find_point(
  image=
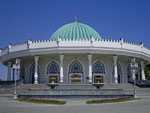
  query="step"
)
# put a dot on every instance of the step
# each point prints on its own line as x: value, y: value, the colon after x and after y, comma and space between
x: 76, y: 92
x: 24, y: 88
x: 75, y: 86
x: 75, y: 96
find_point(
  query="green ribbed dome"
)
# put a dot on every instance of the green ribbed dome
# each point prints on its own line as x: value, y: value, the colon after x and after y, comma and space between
x: 75, y: 31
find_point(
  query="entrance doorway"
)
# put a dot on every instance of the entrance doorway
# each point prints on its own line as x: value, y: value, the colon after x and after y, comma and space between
x: 98, y: 70
x: 53, y: 72
x: 75, y: 72
x: 75, y: 78
x: 98, y: 78
x: 53, y: 79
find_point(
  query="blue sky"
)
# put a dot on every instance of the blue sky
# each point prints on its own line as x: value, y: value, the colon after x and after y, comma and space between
x: 21, y: 20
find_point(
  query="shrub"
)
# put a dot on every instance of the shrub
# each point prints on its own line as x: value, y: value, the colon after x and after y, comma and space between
x: 110, y: 100
x: 43, y: 101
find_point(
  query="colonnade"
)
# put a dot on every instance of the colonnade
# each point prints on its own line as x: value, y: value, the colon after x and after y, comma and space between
x: 61, y: 57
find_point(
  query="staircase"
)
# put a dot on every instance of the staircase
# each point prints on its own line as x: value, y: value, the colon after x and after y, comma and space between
x: 22, y: 88
x: 73, y: 91
x: 74, y: 86
x: 119, y: 86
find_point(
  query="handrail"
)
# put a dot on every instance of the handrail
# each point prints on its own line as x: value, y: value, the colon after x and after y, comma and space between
x: 141, y: 83
x: 12, y: 84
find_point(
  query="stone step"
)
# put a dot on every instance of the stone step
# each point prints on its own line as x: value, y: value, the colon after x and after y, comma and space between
x: 76, y: 92
x: 75, y: 86
x: 75, y: 96
x: 90, y: 86
x: 119, y: 86
x: 24, y: 88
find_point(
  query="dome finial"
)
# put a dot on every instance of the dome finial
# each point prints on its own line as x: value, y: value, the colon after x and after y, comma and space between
x: 75, y: 19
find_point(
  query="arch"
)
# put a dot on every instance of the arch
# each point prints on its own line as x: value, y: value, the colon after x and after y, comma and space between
x: 53, y: 68
x: 32, y: 71
x: 22, y: 72
x: 52, y: 72
x: 98, y: 72
x: 75, y: 70
x: 98, y: 68
x: 75, y: 67
x: 119, y: 70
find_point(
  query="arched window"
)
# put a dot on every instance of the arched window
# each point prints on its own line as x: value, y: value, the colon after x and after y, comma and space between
x: 22, y: 72
x: 53, y: 68
x: 98, y: 68
x: 75, y: 67
x: 32, y: 71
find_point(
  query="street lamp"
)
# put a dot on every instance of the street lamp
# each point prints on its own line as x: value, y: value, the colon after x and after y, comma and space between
x: 134, y: 67
x: 16, y: 67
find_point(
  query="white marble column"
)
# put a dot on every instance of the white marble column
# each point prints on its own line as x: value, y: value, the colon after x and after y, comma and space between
x: 61, y: 68
x: 18, y: 70
x: 142, y: 70
x: 139, y: 75
x: 90, y: 67
x: 9, y: 71
x: 36, y: 58
x: 115, y: 70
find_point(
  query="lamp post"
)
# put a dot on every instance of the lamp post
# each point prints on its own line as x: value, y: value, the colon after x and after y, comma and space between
x: 134, y: 67
x: 16, y: 67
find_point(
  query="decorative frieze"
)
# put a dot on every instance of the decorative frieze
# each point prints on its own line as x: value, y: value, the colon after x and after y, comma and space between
x: 98, y: 44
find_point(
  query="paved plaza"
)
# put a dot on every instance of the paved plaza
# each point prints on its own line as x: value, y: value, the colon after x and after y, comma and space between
x: 74, y: 106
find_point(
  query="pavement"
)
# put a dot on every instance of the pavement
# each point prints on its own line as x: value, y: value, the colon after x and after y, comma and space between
x: 7, y: 105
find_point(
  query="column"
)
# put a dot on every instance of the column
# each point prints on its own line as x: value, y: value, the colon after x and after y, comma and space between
x: 133, y: 68
x: 9, y: 71
x: 115, y: 70
x: 142, y: 70
x: 139, y: 75
x: 36, y: 58
x: 90, y: 67
x: 13, y: 78
x: 18, y: 70
x: 61, y: 68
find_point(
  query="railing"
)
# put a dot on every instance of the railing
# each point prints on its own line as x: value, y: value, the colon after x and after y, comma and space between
x: 51, y: 43
x: 9, y: 84
x: 141, y: 83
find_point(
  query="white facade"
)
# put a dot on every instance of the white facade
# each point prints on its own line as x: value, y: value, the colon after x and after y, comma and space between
x: 37, y: 55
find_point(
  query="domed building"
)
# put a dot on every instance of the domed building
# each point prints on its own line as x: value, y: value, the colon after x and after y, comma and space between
x: 75, y: 53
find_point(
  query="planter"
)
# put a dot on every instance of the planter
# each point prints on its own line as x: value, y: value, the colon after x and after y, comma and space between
x: 98, y: 85
x: 52, y: 85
